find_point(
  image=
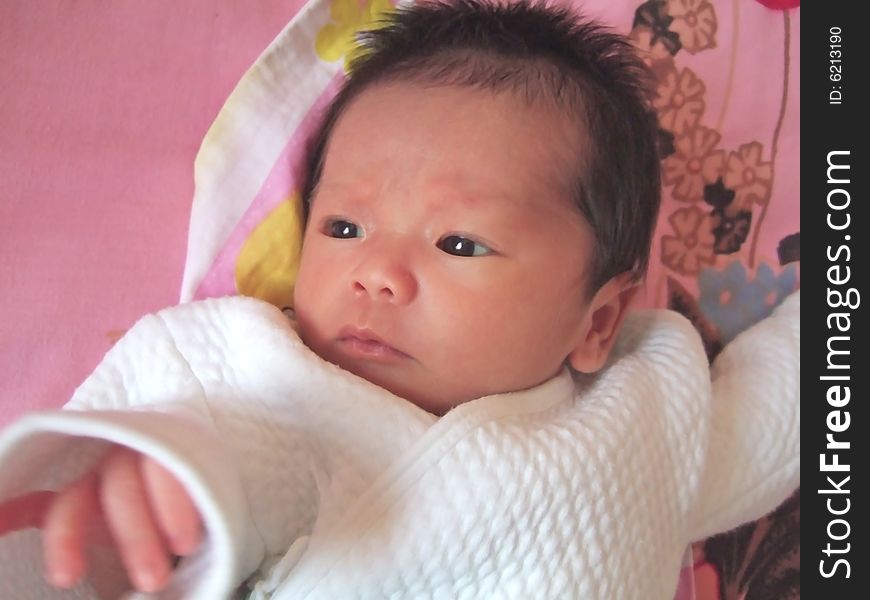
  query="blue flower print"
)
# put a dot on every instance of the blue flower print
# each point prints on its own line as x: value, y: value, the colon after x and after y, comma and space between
x: 733, y: 302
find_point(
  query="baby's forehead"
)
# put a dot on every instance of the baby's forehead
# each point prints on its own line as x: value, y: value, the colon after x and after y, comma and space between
x: 479, y: 139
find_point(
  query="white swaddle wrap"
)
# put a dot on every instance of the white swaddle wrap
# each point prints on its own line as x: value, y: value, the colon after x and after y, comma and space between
x: 573, y: 489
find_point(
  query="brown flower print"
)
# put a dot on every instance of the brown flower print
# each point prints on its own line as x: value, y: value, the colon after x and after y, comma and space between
x: 692, y: 246
x: 749, y: 176
x: 695, y: 163
x: 789, y: 249
x: 652, y: 50
x: 695, y: 23
x: 730, y: 228
x: 717, y: 195
x: 679, y: 101
x: 760, y: 560
x: 680, y: 300
x: 653, y: 15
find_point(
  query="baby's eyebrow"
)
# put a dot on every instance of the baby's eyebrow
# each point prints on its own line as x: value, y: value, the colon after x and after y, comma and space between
x: 443, y: 194
x: 347, y: 193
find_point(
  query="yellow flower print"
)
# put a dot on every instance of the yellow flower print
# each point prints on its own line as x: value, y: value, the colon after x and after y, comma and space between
x: 337, y: 39
x: 680, y: 101
x: 695, y: 23
x: 694, y: 164
x: 692, y: 245
x: 748, y: 176
x: 269, y: 259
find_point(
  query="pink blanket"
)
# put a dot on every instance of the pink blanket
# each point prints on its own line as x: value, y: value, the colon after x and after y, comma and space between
x: 103, y: 106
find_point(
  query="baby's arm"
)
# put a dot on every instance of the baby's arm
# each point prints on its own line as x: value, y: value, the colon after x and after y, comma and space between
x: 129, y: 500
x: 148, y: 396
x: 753, y: 457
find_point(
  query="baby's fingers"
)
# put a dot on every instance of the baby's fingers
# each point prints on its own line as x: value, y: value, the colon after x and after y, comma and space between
x: 65, y: 530
x: 24, y: 511
x: 125, y: 504
x: 178, y: 517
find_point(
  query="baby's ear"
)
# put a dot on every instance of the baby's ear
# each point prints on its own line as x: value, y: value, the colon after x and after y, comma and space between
x: 607, y: 309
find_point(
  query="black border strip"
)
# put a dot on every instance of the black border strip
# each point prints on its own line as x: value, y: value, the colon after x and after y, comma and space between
x: 835, y: 231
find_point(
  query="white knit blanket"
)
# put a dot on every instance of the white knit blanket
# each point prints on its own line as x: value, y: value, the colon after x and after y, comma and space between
x: 575, y: 489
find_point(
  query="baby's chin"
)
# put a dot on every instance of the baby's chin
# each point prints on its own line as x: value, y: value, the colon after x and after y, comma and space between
x: 438, y: 405
x: 422, y: 390
x: 417, y: 392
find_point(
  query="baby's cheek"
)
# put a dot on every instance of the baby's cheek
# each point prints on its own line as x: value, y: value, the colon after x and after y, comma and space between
x: 308, y: 310
x: 477, y: 341
x: 312, y: 280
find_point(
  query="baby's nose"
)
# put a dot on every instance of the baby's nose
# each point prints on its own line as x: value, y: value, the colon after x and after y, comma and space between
x: 385, y: 278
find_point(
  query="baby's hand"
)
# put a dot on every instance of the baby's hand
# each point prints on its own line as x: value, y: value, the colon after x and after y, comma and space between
x: 143, y: 508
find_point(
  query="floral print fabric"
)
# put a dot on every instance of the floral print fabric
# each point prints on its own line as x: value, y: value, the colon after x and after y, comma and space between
x: 728, y: 238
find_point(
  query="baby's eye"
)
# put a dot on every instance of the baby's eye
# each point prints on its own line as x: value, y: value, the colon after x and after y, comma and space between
x: 342, y: 229
x: 462, y: 246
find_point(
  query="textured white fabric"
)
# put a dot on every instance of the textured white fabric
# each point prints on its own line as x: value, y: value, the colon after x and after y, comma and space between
x: 587, y: 488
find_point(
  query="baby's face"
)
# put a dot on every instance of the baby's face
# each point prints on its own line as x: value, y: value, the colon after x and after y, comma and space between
x: 443, y: 259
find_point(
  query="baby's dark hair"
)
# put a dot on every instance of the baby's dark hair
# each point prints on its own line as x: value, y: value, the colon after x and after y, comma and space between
x: 544, y: 54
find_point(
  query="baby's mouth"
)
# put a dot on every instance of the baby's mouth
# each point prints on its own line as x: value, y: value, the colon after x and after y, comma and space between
x: 364, y: 343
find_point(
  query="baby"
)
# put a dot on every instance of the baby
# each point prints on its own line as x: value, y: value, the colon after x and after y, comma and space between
x: 480, y: 205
